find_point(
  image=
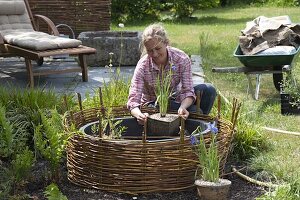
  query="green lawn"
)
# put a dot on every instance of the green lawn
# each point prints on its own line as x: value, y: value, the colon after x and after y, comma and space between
x: 214, y: 35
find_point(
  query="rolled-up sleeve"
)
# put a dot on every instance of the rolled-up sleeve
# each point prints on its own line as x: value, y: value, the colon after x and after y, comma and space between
x: 136, y: 87
x: 187, y: 88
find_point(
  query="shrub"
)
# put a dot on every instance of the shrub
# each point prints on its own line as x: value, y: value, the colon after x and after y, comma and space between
x: 185, y: 8
x: 128, y: 10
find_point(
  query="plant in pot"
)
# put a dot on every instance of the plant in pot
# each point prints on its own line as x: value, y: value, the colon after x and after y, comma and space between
x: 163, y: 123
x: 290, y: 97
x: 208, y: 182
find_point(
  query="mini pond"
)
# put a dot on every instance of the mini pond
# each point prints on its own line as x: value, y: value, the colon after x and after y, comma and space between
x: 134, y: 131
x: 132, y: 164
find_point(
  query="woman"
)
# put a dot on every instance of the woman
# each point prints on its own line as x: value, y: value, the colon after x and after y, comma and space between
x: 159, y: 56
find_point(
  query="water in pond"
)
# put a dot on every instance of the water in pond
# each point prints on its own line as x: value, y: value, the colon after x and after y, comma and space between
x: 133, y: 130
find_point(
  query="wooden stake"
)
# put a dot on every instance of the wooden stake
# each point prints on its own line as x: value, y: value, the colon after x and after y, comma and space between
x: 219, y: 107
x: 101, y: 101
x: 234, y: 101
x: 281, y: 131
x: 251, y: 180
x: 66, y: 103
x: 79, y: 101
x: 144, y: 134
x: 80, y: 105
x: 100, y: 131
x: 182, y: 128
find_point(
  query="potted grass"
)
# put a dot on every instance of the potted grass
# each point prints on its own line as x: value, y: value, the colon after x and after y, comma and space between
x: 163, y: 123
x: 290, y: 97
x: 207, y: 179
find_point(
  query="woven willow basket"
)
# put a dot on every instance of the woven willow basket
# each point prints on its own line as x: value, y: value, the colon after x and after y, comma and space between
x: 136, y: 166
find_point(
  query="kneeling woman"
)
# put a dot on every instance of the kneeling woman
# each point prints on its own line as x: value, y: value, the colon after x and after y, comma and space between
x: 158, y: 57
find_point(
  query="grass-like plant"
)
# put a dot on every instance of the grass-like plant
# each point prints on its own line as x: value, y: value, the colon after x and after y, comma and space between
x: 163, y: 89
x: 208, y: 159
x: 284, y: 191
x: 290, y: 87
x: 114, y: 92
x: 110, y: 127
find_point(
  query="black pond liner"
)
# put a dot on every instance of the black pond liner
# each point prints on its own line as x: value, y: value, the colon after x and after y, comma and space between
x: 134, y: 130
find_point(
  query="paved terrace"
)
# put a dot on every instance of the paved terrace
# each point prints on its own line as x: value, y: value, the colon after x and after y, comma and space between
x: 13, y: 73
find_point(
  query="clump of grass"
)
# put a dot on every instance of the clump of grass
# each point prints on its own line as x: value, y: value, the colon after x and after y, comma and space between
x: 114, y: 92
x: 208, y: 159
x: 248, y: 141
x: 287, y: 191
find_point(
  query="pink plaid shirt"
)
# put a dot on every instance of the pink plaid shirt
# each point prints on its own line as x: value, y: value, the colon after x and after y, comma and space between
x: 142, y: 89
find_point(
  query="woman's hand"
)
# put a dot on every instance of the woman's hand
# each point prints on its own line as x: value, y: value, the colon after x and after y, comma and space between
x: 182, y: 112
x: 141, y: 117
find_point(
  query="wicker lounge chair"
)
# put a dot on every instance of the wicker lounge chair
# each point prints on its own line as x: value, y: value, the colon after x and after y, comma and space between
x: 19, y: 36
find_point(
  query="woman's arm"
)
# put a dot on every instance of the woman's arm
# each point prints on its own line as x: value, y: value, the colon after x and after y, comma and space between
x: 135, y: 93
x: 182, y: 111
x: 141, y: 117
x: 136, y: 87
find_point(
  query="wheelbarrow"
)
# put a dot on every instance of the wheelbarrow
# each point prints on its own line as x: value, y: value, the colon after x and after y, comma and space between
x: 261, y: 64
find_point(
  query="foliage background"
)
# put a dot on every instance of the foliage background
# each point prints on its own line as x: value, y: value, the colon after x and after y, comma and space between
x: 128, y: 10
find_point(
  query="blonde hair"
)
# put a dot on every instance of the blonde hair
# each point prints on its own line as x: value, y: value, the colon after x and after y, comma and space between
x: 153, y: 31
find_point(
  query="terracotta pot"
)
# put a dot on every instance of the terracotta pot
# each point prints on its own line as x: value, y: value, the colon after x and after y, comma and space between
x: 213, y: 191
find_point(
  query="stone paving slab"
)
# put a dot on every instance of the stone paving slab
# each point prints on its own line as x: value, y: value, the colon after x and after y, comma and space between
x: 13, y: 74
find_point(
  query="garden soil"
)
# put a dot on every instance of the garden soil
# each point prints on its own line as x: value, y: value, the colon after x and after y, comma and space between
x: 240, y: 189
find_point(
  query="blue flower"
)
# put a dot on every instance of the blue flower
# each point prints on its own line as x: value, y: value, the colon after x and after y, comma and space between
x: 212, y: 127
x: 173, y: 67
x: 193, y: 140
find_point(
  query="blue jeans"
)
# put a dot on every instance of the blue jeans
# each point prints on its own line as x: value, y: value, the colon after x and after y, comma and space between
x: 206, y: 102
